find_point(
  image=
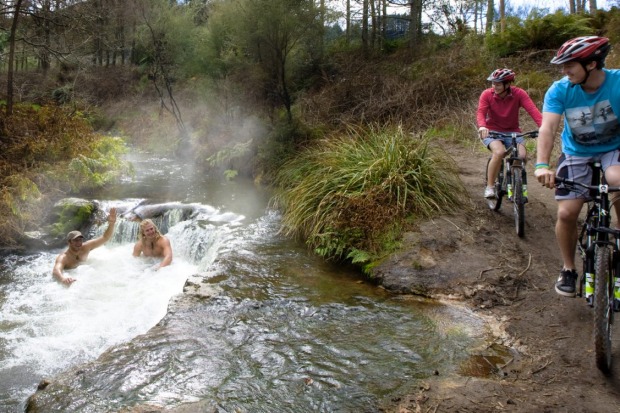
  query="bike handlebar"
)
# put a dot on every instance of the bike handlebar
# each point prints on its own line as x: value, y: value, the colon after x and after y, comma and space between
x: 602, y: 188
x: 531, y: 134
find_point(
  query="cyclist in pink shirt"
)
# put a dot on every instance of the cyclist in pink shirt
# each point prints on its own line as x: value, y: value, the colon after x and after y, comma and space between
x: 498, y: 111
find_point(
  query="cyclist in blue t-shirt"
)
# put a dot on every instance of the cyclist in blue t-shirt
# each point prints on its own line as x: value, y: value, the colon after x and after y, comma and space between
x: 589, y: 99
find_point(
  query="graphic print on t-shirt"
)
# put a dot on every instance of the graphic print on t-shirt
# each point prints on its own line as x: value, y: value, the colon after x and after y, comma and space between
x: 594, y: 125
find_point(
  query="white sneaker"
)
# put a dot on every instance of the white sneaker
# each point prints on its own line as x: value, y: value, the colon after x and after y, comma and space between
x: 489, y: 192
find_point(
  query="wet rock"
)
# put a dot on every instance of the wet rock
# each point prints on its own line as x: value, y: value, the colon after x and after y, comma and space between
x: 66, y: 215
x: 43, y: 384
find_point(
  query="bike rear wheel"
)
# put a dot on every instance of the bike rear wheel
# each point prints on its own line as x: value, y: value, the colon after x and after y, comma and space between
x: 518, y: 204
x: 496, y: 203
x: 603, y: 311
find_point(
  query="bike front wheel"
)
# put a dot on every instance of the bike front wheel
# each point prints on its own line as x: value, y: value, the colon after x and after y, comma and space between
x: 603, y: 311
x: 518, y: 204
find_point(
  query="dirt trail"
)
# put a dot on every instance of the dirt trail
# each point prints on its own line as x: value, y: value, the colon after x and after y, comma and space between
x: 479, y: 258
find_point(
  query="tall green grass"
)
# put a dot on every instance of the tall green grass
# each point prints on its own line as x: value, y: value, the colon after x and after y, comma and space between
x: 350, y: 196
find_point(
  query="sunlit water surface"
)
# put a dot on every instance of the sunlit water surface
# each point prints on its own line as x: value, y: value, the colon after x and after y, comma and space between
x: 282, y: 331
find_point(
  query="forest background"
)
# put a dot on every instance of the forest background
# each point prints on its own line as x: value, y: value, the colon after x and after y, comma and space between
x: 345, y: 108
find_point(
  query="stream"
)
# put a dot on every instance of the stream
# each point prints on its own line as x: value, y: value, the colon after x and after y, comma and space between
x: 279, y: 330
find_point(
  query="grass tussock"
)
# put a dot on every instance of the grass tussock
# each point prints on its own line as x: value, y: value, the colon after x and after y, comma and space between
x: 351, y: 196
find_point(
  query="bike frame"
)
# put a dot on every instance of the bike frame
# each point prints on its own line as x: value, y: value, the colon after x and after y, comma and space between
x: 514, y: 163
x: 596, y: 226
x: 512, y: 178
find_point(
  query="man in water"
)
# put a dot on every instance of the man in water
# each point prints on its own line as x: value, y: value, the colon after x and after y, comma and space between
x: 78, y: 250
x: 151, y: 243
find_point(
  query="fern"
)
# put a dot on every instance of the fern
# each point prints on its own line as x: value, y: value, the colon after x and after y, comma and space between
x: 229, y: 153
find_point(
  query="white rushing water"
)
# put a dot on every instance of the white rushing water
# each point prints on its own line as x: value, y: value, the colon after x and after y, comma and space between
x: 115, y: 298
x: 46, y: 327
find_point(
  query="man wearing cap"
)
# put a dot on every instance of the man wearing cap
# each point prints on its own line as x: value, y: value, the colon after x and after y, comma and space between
x: 78, y: 250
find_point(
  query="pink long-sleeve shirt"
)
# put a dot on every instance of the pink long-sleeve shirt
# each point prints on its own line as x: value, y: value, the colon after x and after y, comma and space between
x: 502, y: 114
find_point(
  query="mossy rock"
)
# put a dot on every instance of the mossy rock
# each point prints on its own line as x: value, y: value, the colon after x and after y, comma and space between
x: 71, y: 214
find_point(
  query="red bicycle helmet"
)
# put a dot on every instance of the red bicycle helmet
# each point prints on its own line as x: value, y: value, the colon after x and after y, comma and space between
x: 583, y: 49
x: 502, y: 75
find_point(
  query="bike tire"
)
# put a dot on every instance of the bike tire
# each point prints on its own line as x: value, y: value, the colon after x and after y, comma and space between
x: 603, y: 311
x: 496, y: 203
x: 518, y: 204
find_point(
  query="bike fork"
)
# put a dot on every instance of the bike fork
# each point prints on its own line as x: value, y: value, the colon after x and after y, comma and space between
x: 509, y: 181
x: 588, y: 276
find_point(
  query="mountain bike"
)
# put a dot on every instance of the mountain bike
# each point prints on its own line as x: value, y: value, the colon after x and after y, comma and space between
x: 599, y: 247
x: 512, y: 179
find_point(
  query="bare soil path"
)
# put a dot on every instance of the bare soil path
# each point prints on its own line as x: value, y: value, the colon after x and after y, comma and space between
x: 478, y: 258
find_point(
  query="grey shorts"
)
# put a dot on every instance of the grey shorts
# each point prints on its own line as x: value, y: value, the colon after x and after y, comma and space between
x: 507, y: 141
x: 577, y: 168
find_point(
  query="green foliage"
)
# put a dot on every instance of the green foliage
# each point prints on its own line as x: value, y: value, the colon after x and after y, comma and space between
x: 21, y: 191
x: 282, y: 143
x: 538, y: 31
x: 230, y: 174
x: 448, y: 132
x: 71, y: 217
x: 53, y: 150
x: 4, y: 40
x: 63, y: 94
x: 229, y: 153
x: 349, y: 196
x: 263, y: 44
x: 102, y: 167
x: 165, y: 39
x: 611, y: 27
x: 536, y: 83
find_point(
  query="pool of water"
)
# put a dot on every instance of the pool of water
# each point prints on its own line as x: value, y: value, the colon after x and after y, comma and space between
x: 280, y: 331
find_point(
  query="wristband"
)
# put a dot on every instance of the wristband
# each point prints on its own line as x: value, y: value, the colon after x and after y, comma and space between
x: 541, y: 166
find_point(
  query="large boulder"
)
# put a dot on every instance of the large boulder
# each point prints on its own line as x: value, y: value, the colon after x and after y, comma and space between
x: 68, y: 214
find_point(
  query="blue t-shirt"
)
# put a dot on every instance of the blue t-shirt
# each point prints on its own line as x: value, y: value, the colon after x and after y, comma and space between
x: 591, y: 126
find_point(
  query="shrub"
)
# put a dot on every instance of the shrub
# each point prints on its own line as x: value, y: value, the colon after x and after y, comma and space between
x: 350, y: 196
x: 51, y: 150
x: 538, y: 31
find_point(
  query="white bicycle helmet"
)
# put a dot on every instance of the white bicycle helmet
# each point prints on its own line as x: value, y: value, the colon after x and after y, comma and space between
x: 582, y: 49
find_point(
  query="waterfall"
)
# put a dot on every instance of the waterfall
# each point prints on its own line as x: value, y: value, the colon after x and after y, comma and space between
x: 194, y: 230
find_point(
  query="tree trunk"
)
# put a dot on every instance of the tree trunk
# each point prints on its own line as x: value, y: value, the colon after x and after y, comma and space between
x: 321, y: 40
x: 374, y: 21
x: 383, y: 20
x: 490, y: 16
x: 476, y: 14
x: 592, y: 6
x: 572, y: 7
x: 44, y: 54
x: 365, y: 28
x: 415, y: 26
x: 9, y: 76
x: 502, y: 16
x: 348, y: 29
